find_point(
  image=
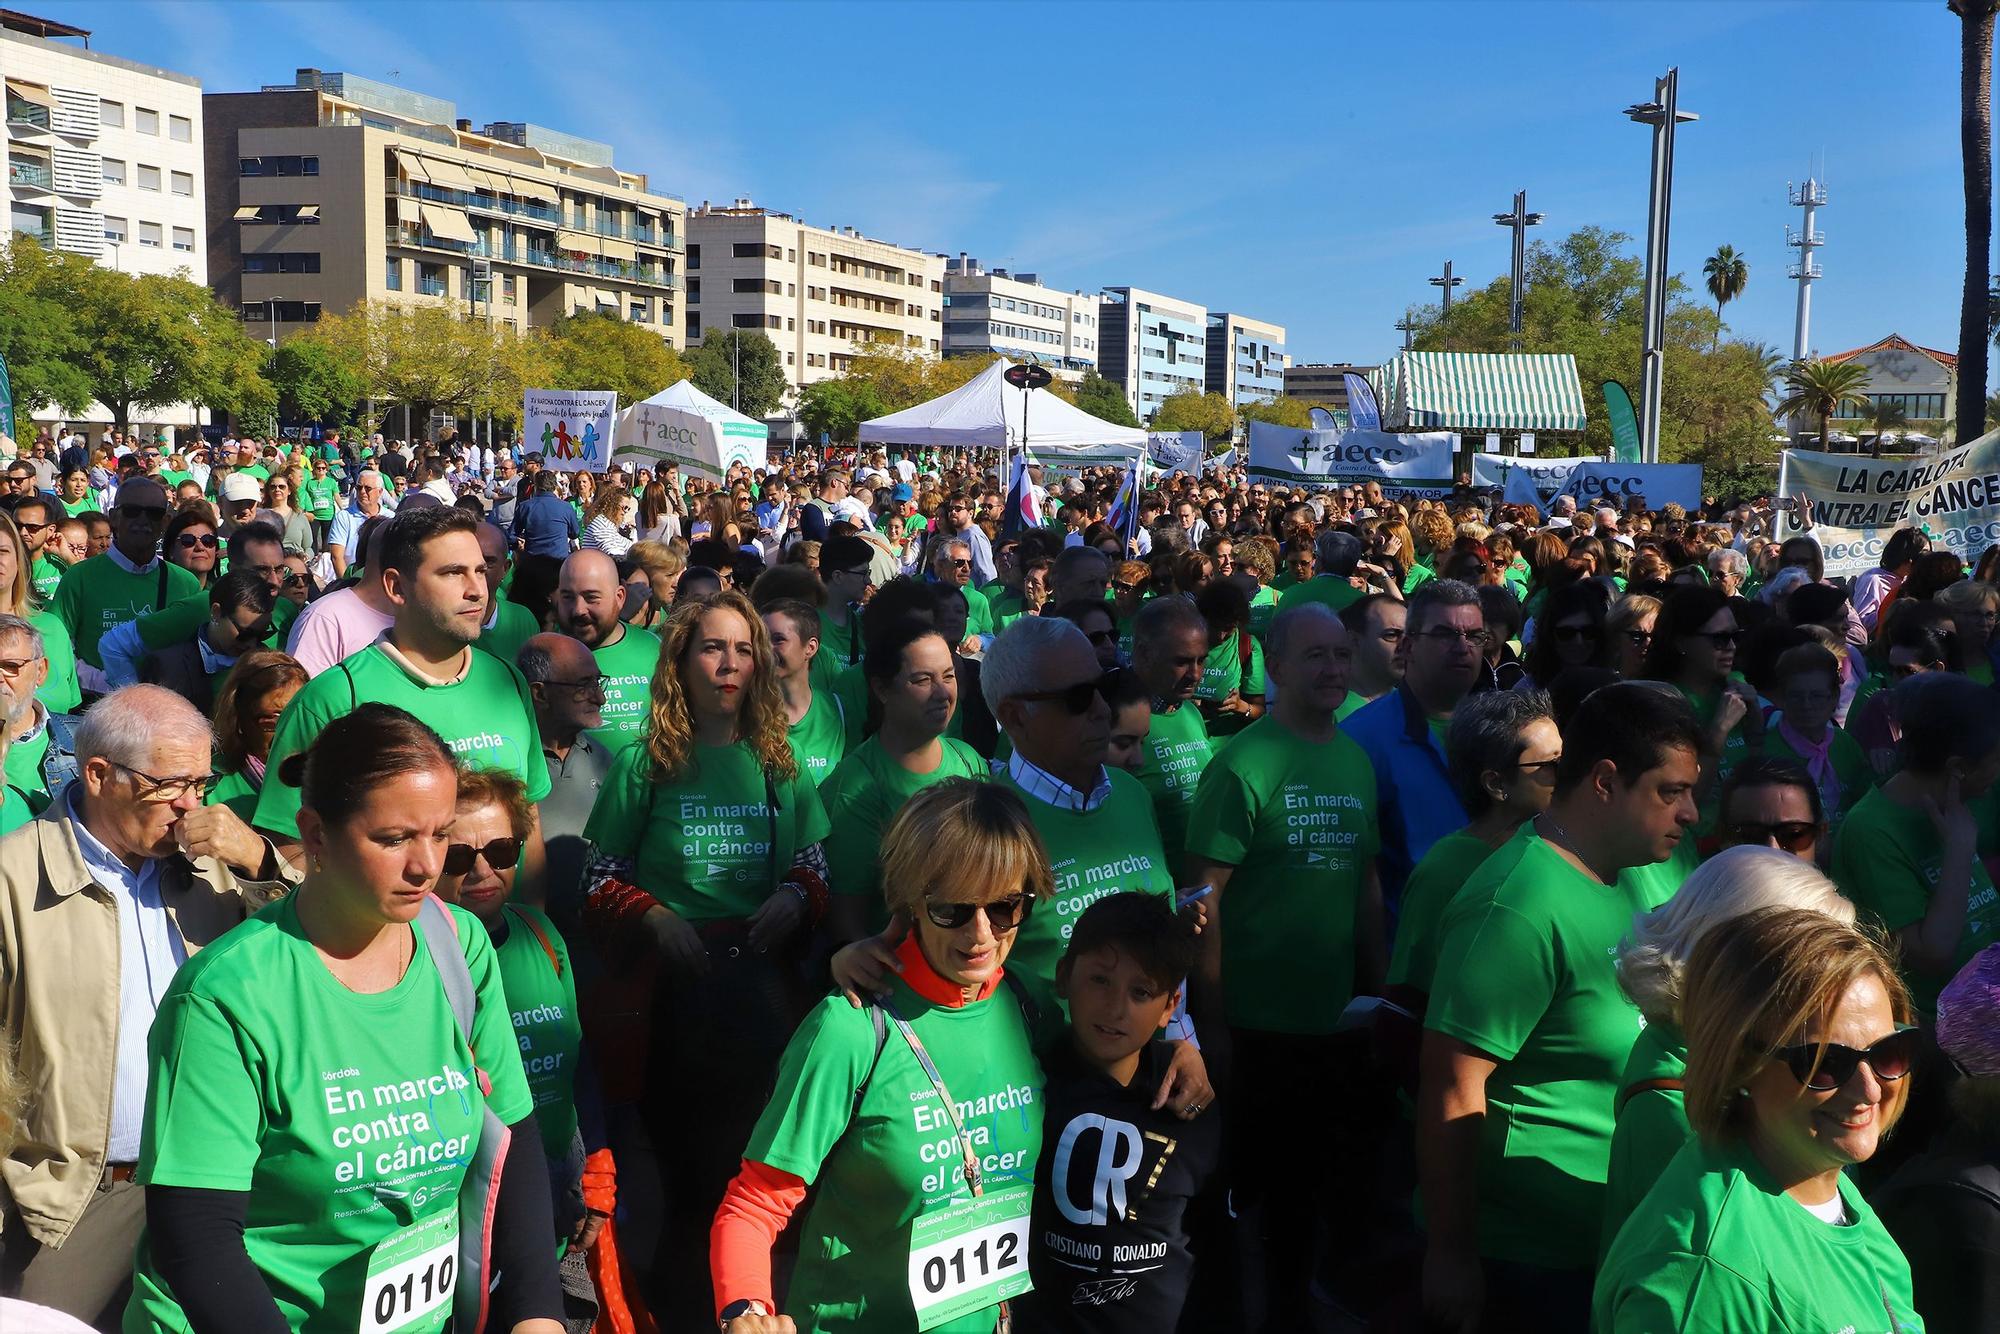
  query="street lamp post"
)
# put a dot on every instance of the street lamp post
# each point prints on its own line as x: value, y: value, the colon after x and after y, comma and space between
x: 1663, y: 113
x: 1519, y: 220
x: 1447, y: 282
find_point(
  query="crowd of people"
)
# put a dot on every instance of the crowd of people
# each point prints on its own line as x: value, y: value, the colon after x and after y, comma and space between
x: 440, y: 890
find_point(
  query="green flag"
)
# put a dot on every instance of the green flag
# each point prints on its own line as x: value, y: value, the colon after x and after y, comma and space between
x: 1624, y: 425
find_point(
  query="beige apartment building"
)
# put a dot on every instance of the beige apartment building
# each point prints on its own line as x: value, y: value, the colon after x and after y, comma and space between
x: 821, y: 294
x: 339, y: 189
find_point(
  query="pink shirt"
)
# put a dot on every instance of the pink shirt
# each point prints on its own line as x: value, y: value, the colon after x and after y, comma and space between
x: 334, y: 627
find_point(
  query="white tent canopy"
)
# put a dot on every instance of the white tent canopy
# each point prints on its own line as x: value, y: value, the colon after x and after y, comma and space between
x: 680, y: 424
x: 986, y: 413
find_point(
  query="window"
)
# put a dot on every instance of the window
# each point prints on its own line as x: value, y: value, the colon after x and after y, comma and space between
x: 278, y: 164
x: 111, y: 114
x: 114, y: 229
x: 282, y: 262
x: 183, y: 184
x: 694, y: 324
x: 184, y: 240
x: 791, y: 289
x: 114, y: 171
x: 791, y: 256
x: 790, y: 325
x: 149, y: 235
x: 746, y: 321
x: 507, y: 289
x: 145, y: 120
x: 149, y: 178
x: 180, y: 129
x: 694, y: 257
x: 770, y: 321
x: 694, y: 291
x: 788, y: 359
x: 392, y: 273
x: 304, y: 215
x: 747, y: 250
x: 638, y: 313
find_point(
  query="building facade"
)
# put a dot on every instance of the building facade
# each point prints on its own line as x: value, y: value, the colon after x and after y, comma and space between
x: 1246, y: 358
x: 1151, y: 346
x: 1013, y: 315
x: 1322, y: 382
x: 338, y: 189
x: 1922, y: 381
x: 821, y: 294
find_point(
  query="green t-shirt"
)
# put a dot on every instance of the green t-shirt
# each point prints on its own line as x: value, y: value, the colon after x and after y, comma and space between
x: 1263, y: 608
x: 1887, y: 858
x: 1652, y: 1125
x: 628, y: 665
x: 849, y: 689
x: 820, y: 738
x: 1720, y: 1249
x: 1735, y: 750
x: 870, y: 1133
x: 839, y: 648
x: 1853, y: 775
x: 541, y: 999
x: 238, y: 791
x: 513, y: 625
x: 1298, y: 820
x: 978, y: 612
x: 178, y: 622
x: 862, y: 797
x: 14, y: 810
x: 346, y: 1120
x: 98, y: 593
x: 702, y: 843
x: 60, y: 693
x: 1336, y: 593
x: 46, y: 576
x: 1444, y: 870
x: 23, y: 769
x: 321, y: 497
x: 1527, y: 973
x: 1224, y: 672
x: 87, y: 505
x: 257, y: 470
x: 1351, y: 704
x: 486, y: 719
x: 1093, y: 853
x: 1171, y: 759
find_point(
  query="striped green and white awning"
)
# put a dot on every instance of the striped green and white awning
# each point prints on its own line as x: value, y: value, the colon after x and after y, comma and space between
x: 1479, y: 391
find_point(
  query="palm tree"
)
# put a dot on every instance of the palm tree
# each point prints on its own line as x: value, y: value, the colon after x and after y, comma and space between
x: 1821, y: 389
x: 1883, y: 416
x: 1975, y: 142
x: 1728, y: 274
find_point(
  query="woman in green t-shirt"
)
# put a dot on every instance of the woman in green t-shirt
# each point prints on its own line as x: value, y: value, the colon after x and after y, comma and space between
x: 912, y: 676
x: 919, y: 1119
x: 247, y: 707
x: 1694, y: 650
x: 1651, y: 1119
x: 320, y: 1080
x: 1800, y: 1046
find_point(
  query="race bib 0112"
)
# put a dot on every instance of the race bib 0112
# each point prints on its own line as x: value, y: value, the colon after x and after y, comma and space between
x: 969, y: 1256
x: 410, y: 1278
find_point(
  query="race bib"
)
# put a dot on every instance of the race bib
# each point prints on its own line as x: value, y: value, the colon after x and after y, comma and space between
x: 969, y: 1256
x: 410, y: 1278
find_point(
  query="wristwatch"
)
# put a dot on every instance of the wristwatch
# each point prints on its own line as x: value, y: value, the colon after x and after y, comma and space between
x: 739, y: 1307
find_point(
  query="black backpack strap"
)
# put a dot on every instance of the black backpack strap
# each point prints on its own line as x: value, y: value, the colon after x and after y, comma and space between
x: 160, y: 594
x: 881, y: 1025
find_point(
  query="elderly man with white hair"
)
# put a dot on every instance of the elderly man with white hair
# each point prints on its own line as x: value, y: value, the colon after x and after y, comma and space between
x: 102, y: 898
x: 370, y: 498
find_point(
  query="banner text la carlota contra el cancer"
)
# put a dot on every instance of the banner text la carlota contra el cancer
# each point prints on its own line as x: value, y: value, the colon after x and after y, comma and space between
x: 1952, y: 495
x: 569, y: 428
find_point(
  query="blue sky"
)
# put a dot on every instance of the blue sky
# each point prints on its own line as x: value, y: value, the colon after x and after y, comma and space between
x: 1306, y: 163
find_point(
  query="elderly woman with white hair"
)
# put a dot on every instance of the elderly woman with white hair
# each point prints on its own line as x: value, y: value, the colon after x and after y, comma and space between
x: 1651, y: 1118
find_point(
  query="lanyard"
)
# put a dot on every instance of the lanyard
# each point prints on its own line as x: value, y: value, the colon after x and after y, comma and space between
x: 930, y: 1069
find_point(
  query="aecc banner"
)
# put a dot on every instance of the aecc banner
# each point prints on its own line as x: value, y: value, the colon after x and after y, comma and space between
x: 1288, y: 454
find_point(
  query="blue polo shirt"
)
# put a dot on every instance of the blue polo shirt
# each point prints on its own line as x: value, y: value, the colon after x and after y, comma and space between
x: 547, y: 524
x: 1419, y: 806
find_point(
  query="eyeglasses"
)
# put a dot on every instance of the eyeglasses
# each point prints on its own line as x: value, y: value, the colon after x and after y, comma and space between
x: 152, y: 512
x: 962, y: 562
x: 1076, y: 699
x: 1128, y: 588
x: 1902, y: 669
x: 189, y: 541
x: 1825, y: 1068
x: 499, y: 854
x: 1539, y: 767
x: 1571, y: 633
x: 861, y: 573
x: 169, y: 789
x: 12, y: 668
x: 32, y: 528
x: 589, y: 685
x: 1099, y: 638
x: 1003, y: 915
x: 1444, y: 636
x: 1793, y: 836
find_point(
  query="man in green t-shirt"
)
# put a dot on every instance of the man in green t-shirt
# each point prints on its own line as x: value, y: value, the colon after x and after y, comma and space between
x: 1284, y: 828
x: 1527, y: 1030
x: 589, y: 597
x: 1337, y: 557
x: 126, y: 582
x: 509, y: 625
x: 434, y: 578
x: 818, y: 718
x: 35, y: 516
x: 1169, y: 645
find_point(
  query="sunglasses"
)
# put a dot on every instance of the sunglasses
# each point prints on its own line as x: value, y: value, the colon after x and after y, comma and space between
x: 1128, y: 588
x: 1569, y: 634
x: 1075, y: 699
x: 1823, y: 1069
x: 1098, y: 638
x: 499, y: 854
x: 153, y: 512
x: 1721, y: 638
x: 1003, y: 915
x: 1793, y: 836
x: 189, y: 541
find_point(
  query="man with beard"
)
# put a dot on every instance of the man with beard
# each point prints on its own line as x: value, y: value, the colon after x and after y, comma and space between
x: 589, y: 597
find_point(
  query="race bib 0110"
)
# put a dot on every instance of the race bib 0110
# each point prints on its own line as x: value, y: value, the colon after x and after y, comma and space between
x: 410, y: 1278
x: 969, y: 1256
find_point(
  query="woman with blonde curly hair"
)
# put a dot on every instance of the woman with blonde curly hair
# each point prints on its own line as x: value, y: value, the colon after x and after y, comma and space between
x: 706, y: 865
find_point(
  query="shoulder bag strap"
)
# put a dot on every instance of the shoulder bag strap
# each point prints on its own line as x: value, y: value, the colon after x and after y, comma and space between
x: 160, y: 595
x: 448, y: 956
x: 971, y: 1169
x: 555, y: 960
x: 1661, y: 1085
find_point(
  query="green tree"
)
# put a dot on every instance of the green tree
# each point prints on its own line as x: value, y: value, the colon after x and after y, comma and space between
x: 156, y: 340
x: 314, y: 382
x: 39, y: 339
x: 1283, y: 410
x: 1975, y: 143
x: 1821, y: 389
x: 1190, y: 411
x: 1103, y: 400
x: 837, y: 408
x: 1728, y: 273
x: 430, y: 356
x: 1881, y: 416
x: 741, y: 367
x: 597, y: 351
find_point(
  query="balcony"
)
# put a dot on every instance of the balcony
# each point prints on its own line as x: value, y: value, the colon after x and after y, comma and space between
x: 431, y: 286
x: 515, y: 252
x: 45, y: 236
x: 513, y: 208
x: 28, y: 175
x: 26, y: 114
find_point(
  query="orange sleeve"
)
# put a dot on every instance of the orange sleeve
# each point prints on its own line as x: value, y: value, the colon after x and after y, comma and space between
x: 600, y: 1183
x: 755, y: 1209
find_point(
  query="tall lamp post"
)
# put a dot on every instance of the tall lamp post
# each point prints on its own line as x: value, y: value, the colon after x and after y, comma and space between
x: 1663, y: 113
x: 1447, y: 282
x: 1519, y: 220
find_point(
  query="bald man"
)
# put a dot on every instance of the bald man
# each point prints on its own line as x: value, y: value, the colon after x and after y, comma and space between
x: 589, y: 596
x: 126, y: 582
x: 509, y: 625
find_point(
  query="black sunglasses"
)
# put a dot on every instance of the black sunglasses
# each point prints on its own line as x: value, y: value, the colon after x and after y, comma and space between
x: 189, y: 541
x: 1572, y: 633
x: 1823, y: 1069
x: 1076, y: 699
x: 1003, y: 915
x: 1794, y: 836
x: 153, y: 512
x: 1720, y: 638
x: 500, y: 854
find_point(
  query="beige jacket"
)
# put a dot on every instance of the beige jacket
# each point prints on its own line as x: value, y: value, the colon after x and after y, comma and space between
x: 59, y: 968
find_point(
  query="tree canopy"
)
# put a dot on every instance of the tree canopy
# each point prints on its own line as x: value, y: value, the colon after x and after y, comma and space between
x: 716, y: 364
x: 591, y: 350
x: 1190, y: 411
x: 1101, y: 399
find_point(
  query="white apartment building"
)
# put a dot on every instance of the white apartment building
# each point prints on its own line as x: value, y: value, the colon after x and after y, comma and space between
x: 1014, y: 315
x: 1153, y: 346
x: 821, y: 294
x: 104, y: 158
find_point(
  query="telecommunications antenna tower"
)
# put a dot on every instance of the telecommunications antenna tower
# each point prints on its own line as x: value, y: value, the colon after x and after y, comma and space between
x: 1809, y: 195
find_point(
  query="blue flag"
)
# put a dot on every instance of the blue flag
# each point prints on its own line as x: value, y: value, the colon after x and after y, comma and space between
x: 1362, y: 411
